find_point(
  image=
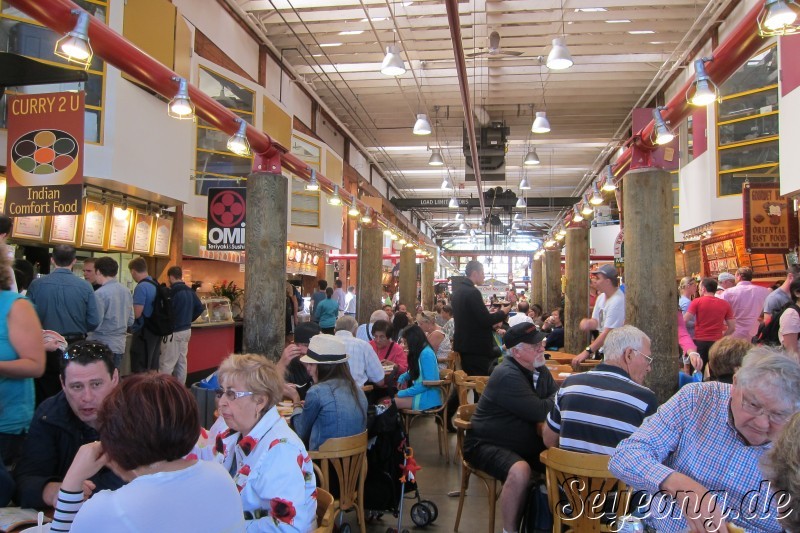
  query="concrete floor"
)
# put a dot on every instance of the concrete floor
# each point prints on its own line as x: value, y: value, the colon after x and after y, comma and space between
x: 435, y: 480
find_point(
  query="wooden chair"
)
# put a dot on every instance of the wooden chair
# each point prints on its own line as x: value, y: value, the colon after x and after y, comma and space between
x: 589, y: 365
x: 462, y: 422
x: 348, y: 456
x: 439, y: 414
x: 464, y: 384
x: 324, y: 511
x: 583, y: 478
x: 450, y: 362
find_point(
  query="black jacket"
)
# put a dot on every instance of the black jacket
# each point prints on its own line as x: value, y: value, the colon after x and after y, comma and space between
x: 53, y: 440
x: 473, y: 321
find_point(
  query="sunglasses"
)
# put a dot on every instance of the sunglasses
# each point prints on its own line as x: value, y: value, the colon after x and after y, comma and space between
x: 230, y: 394
x: 90, y: 350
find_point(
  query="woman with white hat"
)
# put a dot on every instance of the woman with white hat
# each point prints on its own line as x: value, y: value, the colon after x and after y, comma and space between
x: 334, y: 407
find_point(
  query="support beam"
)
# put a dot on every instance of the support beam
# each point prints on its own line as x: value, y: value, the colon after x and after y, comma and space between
x: 551, y: 288
x: 265, y: 265
x: 426, y: 284
x: 649, y: 255
x: 408, y: 279
x: 536, y: 282
x: 577, y: 298
x: 369, y: 289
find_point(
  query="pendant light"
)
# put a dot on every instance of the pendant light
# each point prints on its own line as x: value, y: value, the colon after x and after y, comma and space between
x: 521, y: 203
x: 559, y: 57
x: 446, y: 184
x: 531, y: 158
x: 778, y: 17
x: 366, y: 218
x: 436, y: 159
x: 74, y: 46
x: 705, y: 90
x: 335, y: 199
x: 353, y: 211
x: 587, y: 209
x: 453, y: 203
x: 540, y: 123
x: 609, y: 185
x: 422, y: 126
x: 596, y: 198
x: 313, y: 184
x: 663, y: 135
x: 577, y: 215
x: 181, y: 106
x: 524, y: 185
x: 393, y: 64
x: 238, y: 143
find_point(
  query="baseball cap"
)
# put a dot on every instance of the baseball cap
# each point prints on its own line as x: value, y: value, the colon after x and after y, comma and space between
x: 608, y: 271
x: 523, y: 332
x: 325, y: 350
x: 304, y: 331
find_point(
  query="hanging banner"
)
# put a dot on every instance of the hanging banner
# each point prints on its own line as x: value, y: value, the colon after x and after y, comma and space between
x: 770, y: 223
x: 227, y: 207
x: 45, y: 154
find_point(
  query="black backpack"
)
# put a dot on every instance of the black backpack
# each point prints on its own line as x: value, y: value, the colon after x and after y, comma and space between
x: 768, y: 333
x: 161, y: 321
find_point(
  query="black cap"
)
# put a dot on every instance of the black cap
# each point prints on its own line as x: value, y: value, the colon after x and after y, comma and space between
x: 304, y: 331
x: 523, y: 332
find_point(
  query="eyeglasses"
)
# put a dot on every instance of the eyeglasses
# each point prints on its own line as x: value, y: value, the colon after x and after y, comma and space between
x: 648, y: 357
x: 754, y: 409
x: 231, y: 395
x: 89, y: 350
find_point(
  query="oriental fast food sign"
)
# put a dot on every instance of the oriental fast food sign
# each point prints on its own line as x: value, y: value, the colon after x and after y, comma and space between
x: 770, y: 223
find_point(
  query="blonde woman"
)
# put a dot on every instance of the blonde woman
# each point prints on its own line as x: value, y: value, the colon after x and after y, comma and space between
x: 436, y: 337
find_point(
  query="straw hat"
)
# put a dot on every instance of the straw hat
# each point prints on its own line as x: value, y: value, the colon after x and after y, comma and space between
x: 325, y: 350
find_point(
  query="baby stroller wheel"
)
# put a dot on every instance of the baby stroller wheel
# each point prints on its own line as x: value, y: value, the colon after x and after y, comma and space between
x: 432, y: 508
x: 421, y: 515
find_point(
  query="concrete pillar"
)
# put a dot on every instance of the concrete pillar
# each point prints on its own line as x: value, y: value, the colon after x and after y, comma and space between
x: 577, y: 295
x: 265, y: 265
x: 369, y: 288
x: 552, y: 280
x: 536, y: 282
x: 650, y: 292
x: 329, y: 276
x: 408, y: 278
x: 428, y: 273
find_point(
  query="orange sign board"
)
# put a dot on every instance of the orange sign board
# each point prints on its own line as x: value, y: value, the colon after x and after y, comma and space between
x: 770, y: 223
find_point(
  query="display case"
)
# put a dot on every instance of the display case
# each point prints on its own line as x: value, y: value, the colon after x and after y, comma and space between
x: 217, y: 311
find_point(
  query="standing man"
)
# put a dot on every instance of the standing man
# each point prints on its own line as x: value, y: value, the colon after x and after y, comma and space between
x: 350, y: 301
x: 317, y: 297
x: 725, y: 281
x: 339, y: 296
x: 782, y: 295
x: 90, y: 272
x: 608, y: 312
x: 65, y: 304
x: 712, y: 317
x: 146, y: 345
x: 747, y: 301
x: 115, y: 307
x: 186, y: 307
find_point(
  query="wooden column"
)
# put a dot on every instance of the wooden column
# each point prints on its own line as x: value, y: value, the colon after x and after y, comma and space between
x: 369, y: 271
x: 577, y: 295
x: 552, y: 280
x: 426, y: 284
x: 265, y: 265
x: 536, y: 282
x: 651, y: 296
x: 408, y: 278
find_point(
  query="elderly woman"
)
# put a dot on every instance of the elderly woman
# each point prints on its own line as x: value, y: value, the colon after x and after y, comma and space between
x: 147, y: 425
x: 334, y: 407
x: 421, y: 367
x: 781, y: 465
x: 436, y: 337
x: 386, y: 348
x: 268, y: 461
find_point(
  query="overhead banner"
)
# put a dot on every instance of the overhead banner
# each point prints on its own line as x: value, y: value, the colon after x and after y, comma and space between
x: 770, y: 223
x: 227, y: 208
x: 45, y: 154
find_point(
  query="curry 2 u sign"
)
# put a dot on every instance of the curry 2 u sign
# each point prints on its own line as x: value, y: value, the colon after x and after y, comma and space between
x: 45, y: 154
x: 227, y: 208
x: 770, y: 223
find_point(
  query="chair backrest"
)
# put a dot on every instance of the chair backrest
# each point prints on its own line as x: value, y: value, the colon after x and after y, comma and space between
x: 465, y: 412
x: 557, y: 369
x: 480, y: 384
x: 587, y: 486
x: 450, y: 362
x: 348, y: 456
x: 325, y: 510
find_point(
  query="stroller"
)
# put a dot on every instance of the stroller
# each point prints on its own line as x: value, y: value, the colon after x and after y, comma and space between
x: 390, y: 473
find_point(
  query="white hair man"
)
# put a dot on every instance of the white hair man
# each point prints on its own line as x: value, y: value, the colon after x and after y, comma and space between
x: 364, y: 363
x: 364, y: 331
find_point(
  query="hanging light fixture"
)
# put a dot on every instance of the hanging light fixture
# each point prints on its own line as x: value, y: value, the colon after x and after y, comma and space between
x: 521, y: 203
x: 402, y: 241
x: 394, y: 236
x: 238, y: 143
x: 514, y: 225
x: 387, y: 232
x: 453, y: 203
x: 463, y: 226
x: 550, y: 242
x: 336, y: 200
x: 540, y: 123
x: 422, y: 126
x: 518, y: 216
x: 596, y: 198
x: 74, y: 46
x: 559, y: 57
x: 181, y: 106
x: 353, y: 211
x: 524, y: 185
x: 446, y: 184
x: 705, y: 90
x: 313, y: 184
x: 366, y: 218
x: 587, y: 209
x: 778, y: 17
x: 393, y: 64
x: 436, y: 159
x: 531, y: 158
x: 577, y: 216
x: 663, y: 135
x: 459, y: 216
x: 609, y: 184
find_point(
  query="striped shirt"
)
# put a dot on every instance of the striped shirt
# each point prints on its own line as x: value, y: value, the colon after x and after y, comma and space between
x: 69, y: 503
x: 595, y: 410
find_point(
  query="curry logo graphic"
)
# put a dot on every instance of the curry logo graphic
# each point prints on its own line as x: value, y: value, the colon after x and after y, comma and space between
x: 44, y: 157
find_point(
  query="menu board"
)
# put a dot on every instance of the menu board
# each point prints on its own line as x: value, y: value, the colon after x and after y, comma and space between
x: 120, y: 229
x: 64, y: 229
x: 728, y: 252
x: 142, y: 233
x: 95, y: 215
x: 28, y: 227
x: 163, y: 236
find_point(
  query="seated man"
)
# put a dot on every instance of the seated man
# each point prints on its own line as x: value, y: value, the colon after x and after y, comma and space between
x: 65, y: 422
x: 364, y: 331
x: 710, y: 437
x: 504, y: 440
x: 364, y: 363
x: 595, y: 410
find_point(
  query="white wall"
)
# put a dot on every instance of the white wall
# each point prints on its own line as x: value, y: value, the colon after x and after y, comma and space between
x: 358, y: 161
x: 379, y: 183
x: 328, y: 133
x: 601, y: 239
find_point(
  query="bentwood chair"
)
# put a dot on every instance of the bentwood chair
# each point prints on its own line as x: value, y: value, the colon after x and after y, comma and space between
x: 439, y: 414
x: 464, y: 384
x: 587, y: 486
x: 348, y: 457
x: 324, y: 511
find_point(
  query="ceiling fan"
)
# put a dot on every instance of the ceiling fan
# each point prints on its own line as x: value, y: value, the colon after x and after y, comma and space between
x: 494, y: 50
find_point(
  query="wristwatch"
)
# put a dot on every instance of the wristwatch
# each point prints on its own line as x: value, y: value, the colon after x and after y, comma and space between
x: 589, y: 351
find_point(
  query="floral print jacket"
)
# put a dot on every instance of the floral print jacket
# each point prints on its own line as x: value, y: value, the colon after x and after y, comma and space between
x: 275, y: 476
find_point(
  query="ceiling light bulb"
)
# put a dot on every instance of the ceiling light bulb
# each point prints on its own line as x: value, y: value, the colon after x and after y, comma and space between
x: 313, y: 185
x: 238, y: 143
x: 559, y: 57
x: 587, y: 210
x: 366, y: 218
x: 518, y: 216
x: 387, y: 232
x: 463, y: 226
x: 524, y: 185
x: 550, y: 242
x: 74, y: 46
x: 446, y: 185
x: 394, y: 236
x: 453, y: 203
x: 577, y: 216
x: 609, y: 184
x: 402, y: 241
x: 335, y: 199
x: 562, y: 232
x: 531, y: 158
x: 521, y: 203
x: 393, y: 64
x: 436, y: 159
x: 705, y: 91
x: 540, y: 123
x: 778, y: 17
x: 663, y: 135
x: 514, y: 226
x: 181, y: 106
x: 353, y: 211
x: 422, y: 126
x: 596, y: 199
x: 459, y: 216
x: 559, y: 237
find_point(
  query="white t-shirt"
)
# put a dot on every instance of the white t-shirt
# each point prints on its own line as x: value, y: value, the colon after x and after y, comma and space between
x: 789, y: 323
x: 610, y: 313
x: 519, y: 318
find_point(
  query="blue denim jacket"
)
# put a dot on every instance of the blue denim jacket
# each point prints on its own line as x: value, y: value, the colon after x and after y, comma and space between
x: 330, y: 411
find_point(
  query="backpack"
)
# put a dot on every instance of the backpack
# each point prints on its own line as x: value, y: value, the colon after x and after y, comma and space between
x: 161, y: 321
x: 768, y: 333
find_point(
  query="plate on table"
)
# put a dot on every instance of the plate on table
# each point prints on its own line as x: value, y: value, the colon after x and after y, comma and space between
x: 35, y: 529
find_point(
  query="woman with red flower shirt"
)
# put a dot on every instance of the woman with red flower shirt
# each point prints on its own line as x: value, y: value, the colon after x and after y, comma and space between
x: 267, y: 460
